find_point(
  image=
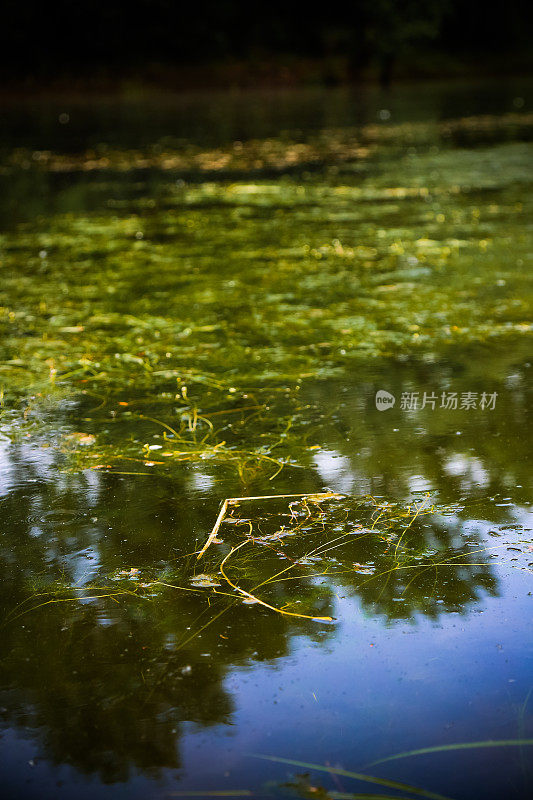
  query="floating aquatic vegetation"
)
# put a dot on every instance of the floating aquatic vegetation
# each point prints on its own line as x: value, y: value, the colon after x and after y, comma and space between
x: 327, y: 147
x: 229, y: 284
x: 193, y: 439
x: 312, y: 526
x: 236, y: 501
x: 291, y: 552
x: 205, y: 581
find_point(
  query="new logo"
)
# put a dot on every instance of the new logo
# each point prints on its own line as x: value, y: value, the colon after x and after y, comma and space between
x: 384, y: 400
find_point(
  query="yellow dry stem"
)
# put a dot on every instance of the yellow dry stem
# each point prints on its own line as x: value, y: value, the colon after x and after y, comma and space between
x: 231, y: 501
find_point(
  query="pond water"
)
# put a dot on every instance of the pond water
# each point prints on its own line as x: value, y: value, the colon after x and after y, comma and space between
x: 201, y: 299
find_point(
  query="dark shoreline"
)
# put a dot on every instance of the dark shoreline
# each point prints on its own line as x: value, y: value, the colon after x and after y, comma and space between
x: 273, y: 73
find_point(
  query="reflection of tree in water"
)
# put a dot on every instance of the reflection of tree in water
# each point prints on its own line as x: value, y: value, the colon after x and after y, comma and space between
x: 108, y: 682
x: 85, y: 687
x: 426, y: 576
x: 381, y: 452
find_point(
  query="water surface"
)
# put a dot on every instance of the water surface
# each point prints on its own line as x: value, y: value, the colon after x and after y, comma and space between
x: 200, y: 299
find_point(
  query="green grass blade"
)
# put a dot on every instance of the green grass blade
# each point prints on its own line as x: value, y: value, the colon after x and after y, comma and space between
x: 459, y: 746
x: 402, y: 787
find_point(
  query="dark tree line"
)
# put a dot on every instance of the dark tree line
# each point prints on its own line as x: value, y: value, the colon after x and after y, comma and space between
x: 60, y: 38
